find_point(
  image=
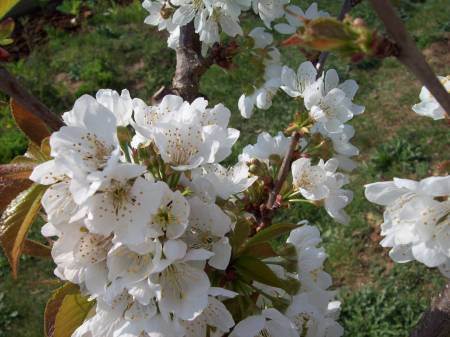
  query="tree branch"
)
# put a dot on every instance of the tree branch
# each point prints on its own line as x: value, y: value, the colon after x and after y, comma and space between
x: 11, y: 87
x: 435, y: 322
x: 190, y: 64
x: 409, y: 54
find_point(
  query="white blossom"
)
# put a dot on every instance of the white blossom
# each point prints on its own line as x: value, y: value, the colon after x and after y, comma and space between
x: 330, y: 103
x: 266, y: 146
x: 86, y: 148
x: 295, y: 18
x: 322, y: 182
x: 428, y: 105
x: 295, y: 84
x: 208, y: 225
x: 416, y: 225
x: 270, y: 323
x: 215, y: 315
x: 269, y: 10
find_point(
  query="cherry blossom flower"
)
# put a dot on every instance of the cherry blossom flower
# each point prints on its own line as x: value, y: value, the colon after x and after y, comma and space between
x: 269, y: 323
x: 296, y: 17
x: 416, y: 225
x: 428, y: 105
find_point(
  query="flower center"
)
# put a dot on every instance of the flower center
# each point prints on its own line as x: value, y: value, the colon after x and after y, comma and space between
x: 120, y: 195
x: 200, y: 238
x: 98, y: 150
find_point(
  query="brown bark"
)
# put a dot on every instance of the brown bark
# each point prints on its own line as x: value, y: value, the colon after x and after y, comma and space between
x: 11, y: 87
x: 408, y: 53
x: 190, y: 64
x: 435, y: 322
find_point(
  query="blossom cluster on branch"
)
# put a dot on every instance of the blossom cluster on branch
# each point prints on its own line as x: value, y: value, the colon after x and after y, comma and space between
x: 165, y: 239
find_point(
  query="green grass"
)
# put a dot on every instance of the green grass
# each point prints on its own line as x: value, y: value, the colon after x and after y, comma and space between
x: 115, y: 49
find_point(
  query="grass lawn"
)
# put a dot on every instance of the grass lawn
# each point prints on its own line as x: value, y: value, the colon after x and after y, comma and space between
x: 114, y: 49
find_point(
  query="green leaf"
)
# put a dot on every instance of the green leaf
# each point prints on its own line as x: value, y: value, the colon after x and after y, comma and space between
x: 6, y: 29
x: 15, y: 223
x: 256, y: 270
x: 6, y: 6
x: 33, y: 127
x: 262, y: 250
x: 240, y: 233
x: 65, y: 311
x: 5, y: 42
x: 268, y: 234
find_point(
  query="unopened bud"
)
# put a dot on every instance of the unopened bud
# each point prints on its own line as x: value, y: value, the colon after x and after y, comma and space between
x: 358, y: 22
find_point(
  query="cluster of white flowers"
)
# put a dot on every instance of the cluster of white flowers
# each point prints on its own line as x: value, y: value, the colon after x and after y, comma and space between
x: 329, y: 105
x: 135, y: 199
x: 211, y: 17
x: 417, y: 216
x: 416, y: 220
x: 270, y: 57
x: 264, y: 47
x: 321, y: 182
x: 312, y: 311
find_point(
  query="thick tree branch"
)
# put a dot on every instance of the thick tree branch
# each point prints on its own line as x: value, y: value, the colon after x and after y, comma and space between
x: 435, y: 322
x: 190, y: 64
x: 408, y: 53
x: 11, y: 87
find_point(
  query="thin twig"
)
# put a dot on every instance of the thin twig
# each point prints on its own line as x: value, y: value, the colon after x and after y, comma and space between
x: 11, y: 87
x: 284, y: 170
x: 409, y: 54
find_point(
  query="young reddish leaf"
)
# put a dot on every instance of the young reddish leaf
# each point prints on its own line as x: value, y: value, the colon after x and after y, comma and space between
x: 16, y: 221
x: 6, y: 6
x: 65, y: 311
x: 34, y: 128
x: 34, y: 248
x: 4, y: 55
x: 13, y: 180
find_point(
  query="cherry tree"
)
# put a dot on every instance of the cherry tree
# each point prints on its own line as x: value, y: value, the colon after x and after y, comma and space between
x: 153, y: 236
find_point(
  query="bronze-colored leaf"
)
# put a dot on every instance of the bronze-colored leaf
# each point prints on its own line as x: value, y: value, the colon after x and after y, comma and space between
x: 15, y: 223
x: 34, y: 128
x: 34, y: 248
x: 6, y: 6
x: 65, y: 311
x: 13, y: 180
